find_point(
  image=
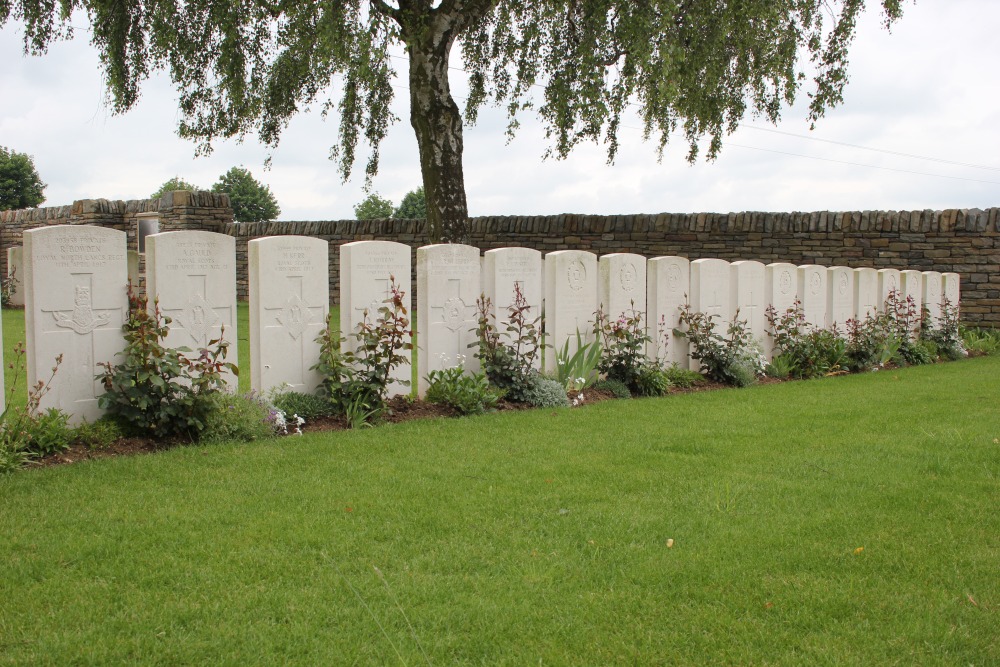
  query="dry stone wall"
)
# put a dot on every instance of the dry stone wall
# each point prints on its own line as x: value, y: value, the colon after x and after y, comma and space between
x: 965, y: 241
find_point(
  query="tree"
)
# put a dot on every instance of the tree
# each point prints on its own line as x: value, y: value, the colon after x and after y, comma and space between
x: 251, y: 200
x: 373, y: 207
x: 695, y: 65
x: 175, y: 183
x: 20, y: 184
x: 413, y: 206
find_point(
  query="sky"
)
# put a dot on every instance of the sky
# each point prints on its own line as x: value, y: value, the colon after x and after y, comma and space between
x: 921, y: 114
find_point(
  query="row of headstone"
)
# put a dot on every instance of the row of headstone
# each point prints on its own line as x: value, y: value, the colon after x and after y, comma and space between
x: 76, y: 304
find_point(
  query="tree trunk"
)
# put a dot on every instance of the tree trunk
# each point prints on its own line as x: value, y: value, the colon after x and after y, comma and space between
x: 437, y: 123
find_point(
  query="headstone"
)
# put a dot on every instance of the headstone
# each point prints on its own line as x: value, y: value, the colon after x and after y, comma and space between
x: 839, y: 297
x: 570, y: 301
x: 711, y: 293
x: 193, y: 275
x: 747, y: 278
x: 932, y: 295
x: 911, y: 285
x: 133, y: 268
x: 667, y: 287
x: 888, y: 282
x: 367, y: 269
x: 812, y: 294
x: 780, y: 285
x: 951, y: 285
x: 447, y: 288
x: 289, y: 301
x: 621, y: 284
x: 866, y: 302
x: 75, y: 306
x: 15, y: 274
x: 505, y: 268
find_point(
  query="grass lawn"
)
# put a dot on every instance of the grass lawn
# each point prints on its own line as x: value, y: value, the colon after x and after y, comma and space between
x: 850, y: 520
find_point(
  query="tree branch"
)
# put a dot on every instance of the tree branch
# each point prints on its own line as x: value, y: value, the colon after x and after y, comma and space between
x: 385, y: 9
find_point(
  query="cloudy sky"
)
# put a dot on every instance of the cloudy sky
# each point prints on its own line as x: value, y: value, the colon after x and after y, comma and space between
x: 919, y: 128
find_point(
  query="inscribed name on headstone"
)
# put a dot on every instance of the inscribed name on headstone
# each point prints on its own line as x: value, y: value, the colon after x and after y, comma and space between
x: 780, y: 287
x: 289, y: 301
x: 932, y: 296
x: 711, y: 293
x: 668, y: 281
x: 839, y: 297
x: 505, y: 268
x: 75, y: 305
x: 15, y: 274
x: 911, y: 285
x: 951, y: 286
x: 366, y: 271
x: 747, y: 279
x: 447, y: 288
x: 812, y: 294
x: 570, y: 301
x: 866, y: 302
x: 621, y: 288
x: 888, y: 283
x: 193, y: 274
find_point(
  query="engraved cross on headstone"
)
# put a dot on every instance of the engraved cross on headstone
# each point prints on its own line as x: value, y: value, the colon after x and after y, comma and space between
x: 452, y: 319
x: 295, y: 315
x: 199, y: 316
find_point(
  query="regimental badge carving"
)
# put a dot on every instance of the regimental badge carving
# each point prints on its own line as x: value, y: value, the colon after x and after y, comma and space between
x: 785, y: 281
x: 83, y: 320
x: 576, y: 275
x: 674, y: 277
x: 891, y: 282
x: 198, y: 318
x: 294, y: 316
x: 935, y: 284
x: 454, y: 313
x: 628, y: 276
x: 815, y: 283
x: 842, y: 284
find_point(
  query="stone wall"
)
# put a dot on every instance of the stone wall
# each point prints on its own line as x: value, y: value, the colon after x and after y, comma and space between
x: 177, y: 210
x: 963, y: 241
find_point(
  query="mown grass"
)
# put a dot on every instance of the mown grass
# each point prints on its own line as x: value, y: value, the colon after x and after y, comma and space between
x: 849, y: 520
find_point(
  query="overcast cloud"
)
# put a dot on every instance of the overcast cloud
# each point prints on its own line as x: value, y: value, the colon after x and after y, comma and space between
x: 929, y: 88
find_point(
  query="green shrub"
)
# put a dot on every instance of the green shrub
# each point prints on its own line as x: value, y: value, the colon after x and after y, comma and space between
x: 623, y: 343
x: 546, y: 393
x: 156, y: 390
x: 871, y: 343
x: 578, y: 371
x: 26, y: 433
x: 241, y: 417
x: 684, y: 378
x: 806, y: 351
x: 308, y: 406
x: 48, y: 432
x: 734, y: 358
x: 780, y: 367
x: 468, y: 394
x: 651, y: 380
x: 99, y: 434
x: 981, y: 341
x: 616, y: 388
x: 508, y: 358
x: 945, y: 333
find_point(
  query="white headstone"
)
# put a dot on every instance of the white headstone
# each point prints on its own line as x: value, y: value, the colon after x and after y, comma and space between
x: 366, y: 271
x: 711, y: 293
x: 888, y: 282
x: 866, y: 303
x: 951, y: 285
x: 15, y: 273
x: 570, y: 301
x: 193, y: 274
x: 780, y: 286
x: 503, y: 268
x: 932, y: 295
x: 911, y: 285
x: 812, y: 293
x: 75, y: 306
x: 289, y: 301
x: 747, y: 279
x: 621, y: 285
x: 447, y: 288
x: 667, y: 287
x: 839, y: 297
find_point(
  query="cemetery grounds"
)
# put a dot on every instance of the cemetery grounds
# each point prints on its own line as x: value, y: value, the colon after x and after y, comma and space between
x: 846, y: 520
